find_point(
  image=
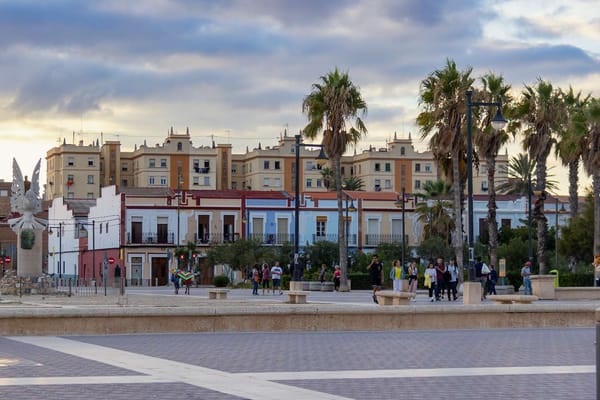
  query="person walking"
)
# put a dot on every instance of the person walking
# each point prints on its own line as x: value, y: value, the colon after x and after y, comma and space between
x: 255, y: 280
x: 276, y: 273
x: 413, y: 279
x: 526, y: 274
x: 337, y: 276
x: 266, y: 278
x: 492, y: 280
x: 440, y: 269
x: 452, y: 280
x: 396, y: 276
x: 375, y: 269
x: 323, y: 273
x: 430, y: 279
x: 175, y: 280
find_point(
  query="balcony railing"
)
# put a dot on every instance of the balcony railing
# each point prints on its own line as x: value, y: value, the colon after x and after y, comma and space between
x: 215, y: 238
x: 377, y: 239
x: 151, y: 238
x: 272, y: 238
x: 333, y: 237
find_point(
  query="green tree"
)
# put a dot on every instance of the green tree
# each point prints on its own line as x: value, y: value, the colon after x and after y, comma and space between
x: 434, y: 212
x: 591, y: 162
x: 577, y: 239
x: 433, y: 248
x: 335, y: 107
x: 240, y: 254
x: 442, y: 98
x: 354, y: 183
x: 488, y: 142
x: 540, y: 112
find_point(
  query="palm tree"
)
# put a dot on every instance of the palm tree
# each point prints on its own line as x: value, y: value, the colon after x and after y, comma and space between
x: 488, y: 142
x: 333, y: 104
x: 434, y: 212
x: 571, y: 142
x: 442, y: 97
x: 327, y: 175
x: 354, y: 183
x: 591, y: 162
x: 540, y: 112
x: 519, y: 170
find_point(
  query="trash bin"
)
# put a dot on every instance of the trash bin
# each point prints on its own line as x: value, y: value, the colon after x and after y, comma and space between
x: 555, y: 273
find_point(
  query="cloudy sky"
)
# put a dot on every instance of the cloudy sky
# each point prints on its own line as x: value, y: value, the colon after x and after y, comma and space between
x: 238, y: 70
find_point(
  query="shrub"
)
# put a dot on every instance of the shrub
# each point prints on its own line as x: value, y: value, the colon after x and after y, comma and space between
x: 221, y: 281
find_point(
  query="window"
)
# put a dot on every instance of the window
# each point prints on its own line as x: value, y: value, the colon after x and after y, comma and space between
x: 3, y: 193
x: 206, y: 164
x: 124, y: 167
x: 484, y: 186
x: 277, y: 165
x: 388, y: 167
x: 402, y: 151
x: 124, y: 182
x: 70, y: 195
x: 195, y: 181
x: 163, y: 181
x: 71, y: 161
x: 309, y: 182
x: 106, y: 227
x: 265, y: 165
x: 207, y: 181
x: 417, y: 184
x: 428, y: 168
x: 179, y: 146
x: 277, y: 182
x: 388, y: 183
x: 163, y: 163
x: 90, y: 179
x: 266, y: 182
x: 377, y: 167
x: 100, y: 225
x: 90, y: 161
x: 90, y: 195
x: 70, y: 180
x: 151, y: 180
x: 233, y: 168
x: 319, y: 183
x: 417, y: 167
x: 310, y: 165
x: 152, y: 163
x: 321, y: 225
x: 378, y: 185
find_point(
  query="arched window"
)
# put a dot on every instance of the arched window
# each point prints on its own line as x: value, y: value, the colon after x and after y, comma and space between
x: 402, y: 151
x: 179, y: 146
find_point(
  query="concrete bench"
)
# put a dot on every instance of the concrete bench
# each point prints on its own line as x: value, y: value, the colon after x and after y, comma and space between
x: 217, y: 294
x: 296, y: 297
x: 394, y: 298
x: 512, y: 298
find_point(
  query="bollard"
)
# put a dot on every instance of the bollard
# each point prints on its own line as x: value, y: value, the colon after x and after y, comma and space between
x: 69, y: 295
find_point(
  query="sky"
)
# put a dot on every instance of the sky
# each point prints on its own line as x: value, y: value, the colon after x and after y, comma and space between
x: 236, y: 71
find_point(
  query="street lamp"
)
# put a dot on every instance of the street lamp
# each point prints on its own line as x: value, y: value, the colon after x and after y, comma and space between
x: 498, y: 122
x: 401, y: 203
x: 349, y: 208
x: 60, y: 234
x: 297, y: 272
x: 561, y: 211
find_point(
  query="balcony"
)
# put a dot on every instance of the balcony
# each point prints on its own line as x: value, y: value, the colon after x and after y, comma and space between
x: 213, y: 238
x: 272, y: 238
x: 373, y: 240
x: 151, y: 238
x: 201, y: 170
x: 333, y: 237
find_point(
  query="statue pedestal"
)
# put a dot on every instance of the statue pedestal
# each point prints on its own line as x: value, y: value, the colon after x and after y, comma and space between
x: 29, y: 261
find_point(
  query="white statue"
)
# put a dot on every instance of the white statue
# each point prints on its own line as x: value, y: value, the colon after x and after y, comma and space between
x: 27, y: 203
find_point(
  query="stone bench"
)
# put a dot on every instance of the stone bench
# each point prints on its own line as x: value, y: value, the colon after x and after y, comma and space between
x: 512, y: 298
x: 394, y: 298
x: 217, y: 294
x: 297, y: 297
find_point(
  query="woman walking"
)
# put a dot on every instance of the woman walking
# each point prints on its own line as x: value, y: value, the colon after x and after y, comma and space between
x: 430, y: 279
x: 413, y: 279
x: 396, y: 275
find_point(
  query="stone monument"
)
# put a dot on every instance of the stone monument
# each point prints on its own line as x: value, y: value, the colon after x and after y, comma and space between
x: 26, y: 202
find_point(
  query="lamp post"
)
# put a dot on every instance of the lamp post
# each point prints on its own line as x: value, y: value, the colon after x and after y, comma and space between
x: 297, y: 272
x: 179, y: 182
x: 498, y: 122
x: 561, y: 211
x: 400, y: 203
x: 349, y: 208
x: 530, y: 255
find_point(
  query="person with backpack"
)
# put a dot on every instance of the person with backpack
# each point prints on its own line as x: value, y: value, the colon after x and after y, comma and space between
x: 440, y: 282
x: 451, y: 277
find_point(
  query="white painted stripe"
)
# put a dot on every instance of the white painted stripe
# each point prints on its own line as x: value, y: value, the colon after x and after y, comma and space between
x: 422, y: 373
x: 233, y: 384
x: 82, y: 380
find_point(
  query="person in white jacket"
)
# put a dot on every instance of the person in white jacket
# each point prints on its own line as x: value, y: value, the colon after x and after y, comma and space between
x: 430, y: 279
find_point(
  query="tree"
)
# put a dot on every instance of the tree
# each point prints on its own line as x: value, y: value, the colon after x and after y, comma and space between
x: 327, y: 175
x: 488, y: 142
x: 240, y: 254
x: 333, y: 106
x: 353, y: 184
x: 540, y: 112
x: 442, y: 97
x: 571, y: 141
x: 520, y: 170
x: 434, y: 212
x: 591, y: 162
x: 577, y: 239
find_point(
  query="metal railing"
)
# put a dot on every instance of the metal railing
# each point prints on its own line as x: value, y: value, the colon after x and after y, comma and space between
x: 151, y: 238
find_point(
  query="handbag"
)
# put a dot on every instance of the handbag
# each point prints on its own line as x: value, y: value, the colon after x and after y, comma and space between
x: 485, y: 269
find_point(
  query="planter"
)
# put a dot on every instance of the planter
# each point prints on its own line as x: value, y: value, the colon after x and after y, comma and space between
x: 327, y: 287
x: 305, y: 286
x: 314, y: 286
x: 543, y: 286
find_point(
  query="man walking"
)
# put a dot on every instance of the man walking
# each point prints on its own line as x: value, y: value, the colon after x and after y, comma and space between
x: 276, y: 272
x: 376, y: 271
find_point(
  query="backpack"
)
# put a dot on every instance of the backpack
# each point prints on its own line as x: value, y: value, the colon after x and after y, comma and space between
x: 447, y: 275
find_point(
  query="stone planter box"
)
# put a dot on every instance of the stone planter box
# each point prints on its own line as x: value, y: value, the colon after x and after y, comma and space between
x: 543, y: 286
x: 314, y: 286
x: 327, y: 287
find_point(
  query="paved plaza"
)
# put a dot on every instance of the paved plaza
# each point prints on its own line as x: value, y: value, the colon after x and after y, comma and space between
x: 540, y: 363
x: 467, y: 364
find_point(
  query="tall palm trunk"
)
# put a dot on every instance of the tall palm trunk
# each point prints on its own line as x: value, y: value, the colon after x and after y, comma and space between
x: 573, y: 185
x: 457, y: 193
x: 337, y: 170
x: 542, y: 225
x: 492, y: 224
x: 596, y: 188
